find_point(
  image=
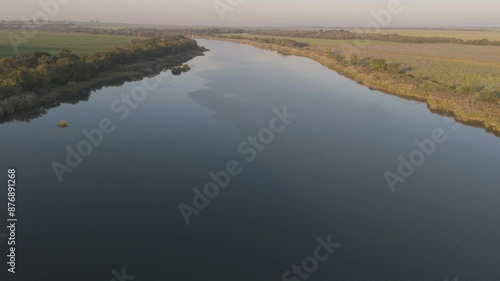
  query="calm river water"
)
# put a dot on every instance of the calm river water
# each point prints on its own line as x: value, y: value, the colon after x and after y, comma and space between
x: 318, y: 175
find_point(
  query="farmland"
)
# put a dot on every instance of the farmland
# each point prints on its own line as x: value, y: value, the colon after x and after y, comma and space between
x: 53, y: 42
x: 492, y: 34
x: 457, y: 79
x: 449, y: 64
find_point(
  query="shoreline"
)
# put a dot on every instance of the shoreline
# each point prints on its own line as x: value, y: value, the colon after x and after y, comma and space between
x: 27, y: 101
x: 465, y: 110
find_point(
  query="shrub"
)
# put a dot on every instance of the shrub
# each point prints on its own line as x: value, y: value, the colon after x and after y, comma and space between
x: 63, y: 124
x: 176, y: 71
x: 186, y: 68
x: 393, y: 68
x: 338, y: 56
x: 467, y: 89
x: 488, y: 96
x: 353, y: 59
x: 379, y: 64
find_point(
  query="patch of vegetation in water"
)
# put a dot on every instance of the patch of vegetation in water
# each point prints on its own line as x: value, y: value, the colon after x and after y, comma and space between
x: 180, y: 70
x: 63, y: 124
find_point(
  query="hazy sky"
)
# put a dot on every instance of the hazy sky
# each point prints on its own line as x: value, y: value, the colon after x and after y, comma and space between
x: 427, y: 13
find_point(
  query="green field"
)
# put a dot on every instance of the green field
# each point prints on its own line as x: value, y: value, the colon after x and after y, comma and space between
x: 53, y: 42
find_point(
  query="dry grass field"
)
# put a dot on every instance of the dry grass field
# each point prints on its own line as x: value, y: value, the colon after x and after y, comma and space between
x: 461, y: 80
x: 449, y: 64
x: 492, y: 34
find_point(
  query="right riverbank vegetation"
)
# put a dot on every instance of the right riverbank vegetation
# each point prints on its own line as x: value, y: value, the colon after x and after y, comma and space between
x: 455, y: 76
x: 460, y: 80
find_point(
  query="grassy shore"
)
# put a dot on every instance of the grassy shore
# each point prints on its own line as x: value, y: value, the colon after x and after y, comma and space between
x: 441, y: 97
x: 450, y: 64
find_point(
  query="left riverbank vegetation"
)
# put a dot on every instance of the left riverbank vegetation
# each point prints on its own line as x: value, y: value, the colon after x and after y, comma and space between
x: 25, y: 77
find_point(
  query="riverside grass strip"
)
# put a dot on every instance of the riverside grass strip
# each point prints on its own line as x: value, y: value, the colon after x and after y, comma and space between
x: 467, y: 108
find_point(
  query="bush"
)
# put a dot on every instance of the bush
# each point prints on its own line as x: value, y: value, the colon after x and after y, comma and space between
x: 488, y: 96
x: 338, y: 56
x: 353, y: 59
x: 186, y: 68
x: 176, y: 71
x: 379, y: 64
x: 467, y: 89
x: 393, y: 68
x: 63, y: 124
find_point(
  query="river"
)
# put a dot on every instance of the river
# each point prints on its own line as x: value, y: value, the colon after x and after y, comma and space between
x: 405, y: 194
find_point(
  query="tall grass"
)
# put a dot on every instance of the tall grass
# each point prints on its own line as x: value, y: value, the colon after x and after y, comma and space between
x: 475, y: 107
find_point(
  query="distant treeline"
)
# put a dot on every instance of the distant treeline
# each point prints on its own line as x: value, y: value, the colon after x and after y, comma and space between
x: 36, y: 71
x: 138, y: 32
x: 348, y: 35
x: 274, y: 41
x: 322, y: 34
x: 151, y: 32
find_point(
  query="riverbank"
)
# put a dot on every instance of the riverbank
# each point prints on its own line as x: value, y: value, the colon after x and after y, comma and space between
x: 440, y: 98
x: 24, y: 100
x: 137, y: 70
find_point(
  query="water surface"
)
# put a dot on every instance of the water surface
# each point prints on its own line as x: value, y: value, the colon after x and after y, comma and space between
x: 323, y: 175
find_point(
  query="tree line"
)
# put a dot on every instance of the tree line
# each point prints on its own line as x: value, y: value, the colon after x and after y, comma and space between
x: 349, y: 35
x: 41, y: 70
x: 30, y: 26
x: 274, y: 41
x: 321, y: 34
